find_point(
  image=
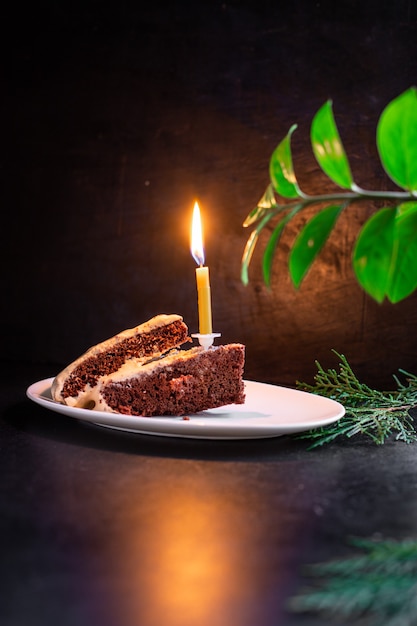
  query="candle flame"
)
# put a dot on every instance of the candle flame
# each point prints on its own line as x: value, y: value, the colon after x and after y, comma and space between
x: 197, y: 249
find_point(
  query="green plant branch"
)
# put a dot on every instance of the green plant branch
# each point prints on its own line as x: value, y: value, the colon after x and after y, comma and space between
x: 306, y: 200
x: 384, y: 258
x: 375, y: 586
x: 374, y: 414
x: 360, y: 194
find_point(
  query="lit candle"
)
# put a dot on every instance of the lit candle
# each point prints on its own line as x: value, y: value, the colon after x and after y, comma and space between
x: 202, y: 275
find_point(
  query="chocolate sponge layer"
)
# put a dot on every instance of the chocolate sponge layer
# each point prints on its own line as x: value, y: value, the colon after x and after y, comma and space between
x: 141, y: 345
x: 193, y: 381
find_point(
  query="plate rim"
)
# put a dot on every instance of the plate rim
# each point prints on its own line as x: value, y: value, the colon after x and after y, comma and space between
x: 194, y: 427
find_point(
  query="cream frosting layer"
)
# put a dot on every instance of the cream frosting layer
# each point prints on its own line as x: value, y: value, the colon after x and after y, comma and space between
x: 83, y: 397
x: 92, y: 397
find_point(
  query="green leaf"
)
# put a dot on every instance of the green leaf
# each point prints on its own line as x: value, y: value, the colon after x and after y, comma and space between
x: 403, y: 276
x: 273, y: 242
x: 397, y: 139
x: 266, y: 203
x: 405, y: 207
x: 328, y: 148
x: 373, y: 253
x: 281, y: 169
x: 310, y: 241
x: 250, y: 247
x: 270, y: 251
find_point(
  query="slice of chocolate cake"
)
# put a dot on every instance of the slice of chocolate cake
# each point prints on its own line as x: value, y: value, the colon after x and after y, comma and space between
x: 142, y: 372
x: 146, y: 341
x: 187, y: 381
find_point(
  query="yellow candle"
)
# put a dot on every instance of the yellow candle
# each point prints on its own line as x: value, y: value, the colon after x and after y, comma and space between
x: 202, y: 274
x: 204, y: 300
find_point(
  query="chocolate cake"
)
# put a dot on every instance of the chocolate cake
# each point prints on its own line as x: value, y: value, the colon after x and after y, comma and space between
x: 148, y: 340
x: 187, y: 381
x: 142, y: 372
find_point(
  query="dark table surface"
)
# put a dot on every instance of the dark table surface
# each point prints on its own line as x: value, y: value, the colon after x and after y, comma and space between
x: 117, y: 116
x: 110, y: 528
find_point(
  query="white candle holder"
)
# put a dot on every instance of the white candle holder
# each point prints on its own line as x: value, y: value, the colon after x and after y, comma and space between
x: 206, y: 341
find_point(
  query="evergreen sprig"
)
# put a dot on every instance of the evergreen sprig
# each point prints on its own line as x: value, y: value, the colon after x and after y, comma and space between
x: 376, y: 586
x: 369, y: 412
x: 385, y: 253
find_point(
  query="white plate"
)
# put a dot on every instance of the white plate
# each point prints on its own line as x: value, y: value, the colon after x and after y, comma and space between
x: 269, y: 411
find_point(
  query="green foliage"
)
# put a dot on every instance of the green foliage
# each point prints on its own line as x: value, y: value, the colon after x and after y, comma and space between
x: 328, y: 148
x: 310, y: 241
x: 384, y: 258
x: 397, y: 140
x: 373, y: 253
x: 376, y: 586
x: 374, y: 414
x: 273, y: 242
x: 281, y: 170
x: 402, y: 282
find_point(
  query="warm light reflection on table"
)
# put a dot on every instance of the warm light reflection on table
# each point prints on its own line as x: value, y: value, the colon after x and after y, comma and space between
x: 192, y: 559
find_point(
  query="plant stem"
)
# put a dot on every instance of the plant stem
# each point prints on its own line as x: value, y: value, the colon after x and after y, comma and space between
x: 360, y: 194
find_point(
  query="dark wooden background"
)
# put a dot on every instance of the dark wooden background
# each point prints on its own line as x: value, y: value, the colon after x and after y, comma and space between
x: 116, y: 117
